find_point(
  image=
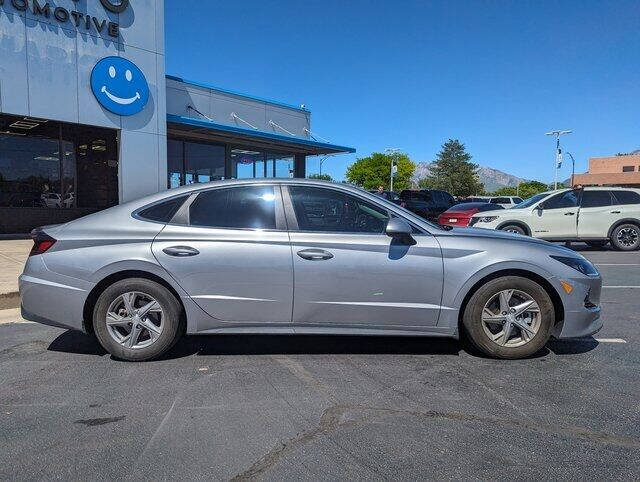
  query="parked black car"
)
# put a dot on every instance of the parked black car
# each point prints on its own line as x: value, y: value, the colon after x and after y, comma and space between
x: 392, y: 196
x: 428, y: 203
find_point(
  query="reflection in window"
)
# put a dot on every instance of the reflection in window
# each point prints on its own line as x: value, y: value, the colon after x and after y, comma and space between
x: 46, y: 164
x: 203, y: 162
x: 319, y: 209
x: 251, y: 207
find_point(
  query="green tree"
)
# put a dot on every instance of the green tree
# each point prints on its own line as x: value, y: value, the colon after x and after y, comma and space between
x: 453, y: 171
x: 321, y: 177
x: 375, y: 170
x: 525, y: 190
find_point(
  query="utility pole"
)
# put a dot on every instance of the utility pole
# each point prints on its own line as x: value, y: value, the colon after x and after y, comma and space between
x: 392, y: 151
x: 558, y: 153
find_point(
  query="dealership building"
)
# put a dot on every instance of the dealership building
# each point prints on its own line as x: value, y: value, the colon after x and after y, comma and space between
x: 88, y: 118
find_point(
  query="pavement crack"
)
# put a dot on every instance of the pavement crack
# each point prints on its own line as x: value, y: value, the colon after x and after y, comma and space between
x: 92, y: 422
x: 332, y: 419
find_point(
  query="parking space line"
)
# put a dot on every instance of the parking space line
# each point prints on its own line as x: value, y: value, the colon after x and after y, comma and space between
x: 617, y: 264
x: 610, y: 340
x: 629, y: 287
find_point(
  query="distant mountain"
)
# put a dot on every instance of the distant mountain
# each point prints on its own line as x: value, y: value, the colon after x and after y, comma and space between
x: 491, y: 178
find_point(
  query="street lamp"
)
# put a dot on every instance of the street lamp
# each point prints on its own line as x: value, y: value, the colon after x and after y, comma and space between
x: 391, y: 151
x: 558, y: 152
x: 573, y: 167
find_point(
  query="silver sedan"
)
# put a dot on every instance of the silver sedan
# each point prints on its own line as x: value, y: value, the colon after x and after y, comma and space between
x: 299, y: 257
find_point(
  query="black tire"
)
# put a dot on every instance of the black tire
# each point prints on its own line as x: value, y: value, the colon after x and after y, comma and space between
x: 626, y: 237
x: 473, y: 325
x: 514, y: 228
x: 597, y: 244
x: 172, y: 316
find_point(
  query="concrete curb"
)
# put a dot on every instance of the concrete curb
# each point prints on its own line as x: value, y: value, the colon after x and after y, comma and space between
x: 9, y: 300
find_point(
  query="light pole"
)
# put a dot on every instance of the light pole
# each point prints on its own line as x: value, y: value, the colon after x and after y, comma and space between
x: 321, y: 162
x: 558, y: 152
x: 573, y: 167
x: 391, y: 151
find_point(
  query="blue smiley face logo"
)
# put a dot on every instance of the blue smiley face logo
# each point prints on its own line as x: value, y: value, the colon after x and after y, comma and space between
x: 119, y: 86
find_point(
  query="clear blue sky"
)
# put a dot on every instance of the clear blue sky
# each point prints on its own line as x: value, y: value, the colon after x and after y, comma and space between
x: 495, y: 74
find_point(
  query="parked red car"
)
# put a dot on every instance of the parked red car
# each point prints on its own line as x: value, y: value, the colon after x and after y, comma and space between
x: 460, y: 214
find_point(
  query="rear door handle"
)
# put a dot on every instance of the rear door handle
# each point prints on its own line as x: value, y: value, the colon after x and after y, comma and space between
x: 315, y: 254
x: 181, y: 251
x: 569, y: 214
x: 615, y: 212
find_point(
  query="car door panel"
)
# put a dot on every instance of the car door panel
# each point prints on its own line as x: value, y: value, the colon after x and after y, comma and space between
x: 229, y: 250
x: 238, y: 276
x: 557, y: 219
x: 359, y: 276
x: 597, y: 214
x: 369, y: 280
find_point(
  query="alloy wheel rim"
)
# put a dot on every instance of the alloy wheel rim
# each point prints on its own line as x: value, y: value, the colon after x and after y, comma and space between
x: 628, y: 237
x: 511, y: 318
x: 135, y: 320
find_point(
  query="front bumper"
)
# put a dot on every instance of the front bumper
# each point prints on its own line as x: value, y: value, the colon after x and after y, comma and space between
x: 581, y: 307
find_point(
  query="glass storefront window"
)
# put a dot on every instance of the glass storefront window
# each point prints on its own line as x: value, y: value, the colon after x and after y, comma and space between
x: 247, y: 163
x: 175, y: 163
x: 203, y: 162
x: 67, y: 170
x: 194, y: 162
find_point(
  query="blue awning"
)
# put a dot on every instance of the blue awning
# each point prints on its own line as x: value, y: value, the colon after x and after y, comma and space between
x: 226, y: 133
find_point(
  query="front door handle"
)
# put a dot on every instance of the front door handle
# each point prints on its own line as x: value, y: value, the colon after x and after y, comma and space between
x: 615, y: 212
x: 181, y: 251
x: 315, y: 254
x: 569, y: 214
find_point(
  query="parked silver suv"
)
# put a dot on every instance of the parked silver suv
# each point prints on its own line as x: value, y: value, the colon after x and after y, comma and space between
x: 296, y: 256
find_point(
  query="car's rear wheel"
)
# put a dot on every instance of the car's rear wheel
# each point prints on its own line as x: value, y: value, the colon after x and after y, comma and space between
x: 597, y: 244
x: 513, y: 228
x: 137, y: 319
x: 509, y: 317
x: 626, y: 237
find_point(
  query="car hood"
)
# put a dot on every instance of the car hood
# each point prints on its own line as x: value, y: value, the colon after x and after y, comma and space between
x: 495, y: 212
x: 493, y: 234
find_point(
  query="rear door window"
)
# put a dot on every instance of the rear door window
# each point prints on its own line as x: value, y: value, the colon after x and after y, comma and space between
x: 242, y: 207
x: 596, y: 199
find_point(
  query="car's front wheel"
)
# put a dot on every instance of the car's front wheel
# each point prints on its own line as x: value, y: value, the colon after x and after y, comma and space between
x: 626, y: 237
x: 509, y: 317
x: 137, y: 319
x: 513, y: 228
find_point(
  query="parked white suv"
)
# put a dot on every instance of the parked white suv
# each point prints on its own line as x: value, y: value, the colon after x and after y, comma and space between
x: 506, y: 201
x: 595, y: 215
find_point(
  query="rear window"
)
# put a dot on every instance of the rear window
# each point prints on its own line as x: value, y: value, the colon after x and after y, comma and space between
x: 627, y: 197
x: 163, y: 211
x: 500, y: 200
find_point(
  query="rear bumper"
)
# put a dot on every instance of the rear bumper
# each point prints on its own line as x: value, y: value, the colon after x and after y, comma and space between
x: 50, y: 298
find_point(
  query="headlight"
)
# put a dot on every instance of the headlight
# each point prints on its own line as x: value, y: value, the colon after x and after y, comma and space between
x: 579, y: 264
x: 487, y: 219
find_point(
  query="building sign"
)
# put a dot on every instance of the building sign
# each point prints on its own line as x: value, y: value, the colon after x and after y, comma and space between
x: 119, y: 86
x: 92, y: 25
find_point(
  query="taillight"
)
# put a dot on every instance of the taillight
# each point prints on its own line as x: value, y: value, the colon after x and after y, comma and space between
x: 41, y: 242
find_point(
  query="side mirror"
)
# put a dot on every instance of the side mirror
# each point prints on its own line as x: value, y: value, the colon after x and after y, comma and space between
x: 397, y: 227
x: 540, y: 208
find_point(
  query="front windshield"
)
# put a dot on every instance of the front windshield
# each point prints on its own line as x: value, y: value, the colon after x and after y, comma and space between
x: 531, y: 201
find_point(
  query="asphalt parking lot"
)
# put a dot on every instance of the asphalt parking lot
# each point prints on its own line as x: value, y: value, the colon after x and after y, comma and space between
x: 273, y: 408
